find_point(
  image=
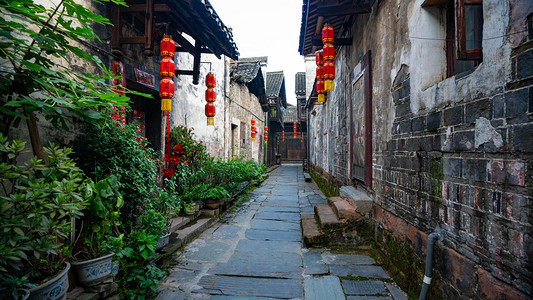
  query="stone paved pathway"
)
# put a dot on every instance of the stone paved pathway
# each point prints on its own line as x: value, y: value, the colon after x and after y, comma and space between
x: 256, y: 252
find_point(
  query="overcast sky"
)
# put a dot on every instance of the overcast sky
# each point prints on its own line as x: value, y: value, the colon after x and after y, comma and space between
x: 267, y: 28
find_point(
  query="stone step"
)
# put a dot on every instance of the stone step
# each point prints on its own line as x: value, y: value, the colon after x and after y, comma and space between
x: 343, y: 209
x: 326, y: 216
x: 307, y: 177
x: 359, y: 198
x: 310, y: 231
x: 325, y: 287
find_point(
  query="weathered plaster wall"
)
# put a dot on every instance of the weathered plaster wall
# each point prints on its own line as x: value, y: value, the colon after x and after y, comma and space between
x: 244, y: 106
x: 455, y: 151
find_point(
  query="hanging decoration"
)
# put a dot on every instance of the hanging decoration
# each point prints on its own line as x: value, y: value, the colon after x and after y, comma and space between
x: 329, y: 56
x: 302, y: 137
x: 266, y: 134
x: 283, y: 135
x: 253, y: 130
x: 320, y: 91
x: 294, y: 128
x: 167, y: 48
x: 320, y: 76
x: 210, y: 97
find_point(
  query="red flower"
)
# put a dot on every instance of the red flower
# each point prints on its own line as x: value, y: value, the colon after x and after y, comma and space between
x: 174, y: 160
x: 168, y: 173
x: 178, y: 149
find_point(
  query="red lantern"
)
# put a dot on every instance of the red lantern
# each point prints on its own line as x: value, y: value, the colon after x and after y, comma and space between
x: 266, y: 134
x: 319, y: 72
x: 167, y: 67
x: 166, y: 88
x: 283, y: 135
x: 253, y: 129
x: 294, y: 128
x: 167, y: 46
x: 329, y: 52
x: 253, y: 135
x: 210, y: 113
x: 319, y: 59
x: 320, y: 91
x: 329, y: 75
x: 210, y: 80
x: 327, y: 34
x: 253, y: 122
x: 210, y: 95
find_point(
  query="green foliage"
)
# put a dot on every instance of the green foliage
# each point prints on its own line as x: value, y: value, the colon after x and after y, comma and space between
x: 153, y: 223
x: 37, y: 202
x: 327, y: 188
x: 111, y: 149
x: 138, y: 276
x: 38, y: 45
x: 11, y: 286
x: 101, y: 220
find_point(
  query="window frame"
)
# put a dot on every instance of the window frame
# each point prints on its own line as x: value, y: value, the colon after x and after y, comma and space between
x: 460, y: 31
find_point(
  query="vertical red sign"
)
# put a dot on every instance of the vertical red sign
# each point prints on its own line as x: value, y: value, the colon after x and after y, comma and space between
x: 119, y: 86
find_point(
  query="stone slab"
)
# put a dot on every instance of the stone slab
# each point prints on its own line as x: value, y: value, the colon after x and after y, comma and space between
x: 310, y: 231
x: 368, y: 298
x: 313, y: 263
x: 168, y: 294
x: 274, y: 225
x: 342, y: 208
x: 278, y: 216
x: 282, y: 203
x: 346, y: 259
x: 358, y: 198
x: 217, y: 297
x: 364, y: 287
x: 307, y: 177
x: 396, y: 292
x: 205, y: 250
x: 358, y: 271
x: 260, y: 247
x: 326, y: 216
x: 325, y: 287
x: 226, y: 232
x: 179, y: 276
x: 247, y: 286
x: 307, y: 210
x: 269, y: 265
x: 273, y: 235
x: 278, y: 209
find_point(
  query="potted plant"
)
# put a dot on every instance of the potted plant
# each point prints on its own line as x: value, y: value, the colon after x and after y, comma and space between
x: 98, y: 226
x: 39, y: 201
x: 155, y: 224
x: 213, y: 196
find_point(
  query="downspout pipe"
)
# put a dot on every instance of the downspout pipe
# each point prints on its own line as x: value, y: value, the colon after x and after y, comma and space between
x: 432, y: 239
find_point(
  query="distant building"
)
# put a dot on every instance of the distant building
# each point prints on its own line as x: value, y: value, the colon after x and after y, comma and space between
x: 277, y: 103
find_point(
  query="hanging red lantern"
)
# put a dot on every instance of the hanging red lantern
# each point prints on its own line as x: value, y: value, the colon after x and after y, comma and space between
x: 167, y: 67
x: 166, y: 88
x: 210, y: 112
x: 319, y: 72
x: 294, y: 128
x: 302, y: 137
x: 329, y: 75
x: 266, y: 134
x: 320, y: 91
x: 327, y: 34
x: 319, y: 59
x: 210, y: 80
x: 210, y: 97
x: 167, y: 46
x: 253, y: 129
x: 329, y: 52
x: 166, y: 104
x: 283, y: 135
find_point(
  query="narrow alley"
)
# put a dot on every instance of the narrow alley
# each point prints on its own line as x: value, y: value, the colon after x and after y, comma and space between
x: 257, y: 251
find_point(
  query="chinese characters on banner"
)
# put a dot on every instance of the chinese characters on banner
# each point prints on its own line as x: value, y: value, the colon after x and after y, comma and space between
x: 119, y: 86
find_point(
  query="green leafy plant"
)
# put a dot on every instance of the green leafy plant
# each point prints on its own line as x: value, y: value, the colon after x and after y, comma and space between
x: 216, y: 193
x: 101, y: 220
x: 37, y: 203
x: 112, y: 149
x: 153, y: 223
x: 38, y: 46
x: 12, y: 286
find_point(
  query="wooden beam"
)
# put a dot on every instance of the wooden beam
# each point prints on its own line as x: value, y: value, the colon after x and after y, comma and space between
x: 148, y: 26
x: 335, y: 10
x: 185, y: 72
x: 196, y: 64
x: 185, y: 44
x: 132, y: 40
x: 115, y: 37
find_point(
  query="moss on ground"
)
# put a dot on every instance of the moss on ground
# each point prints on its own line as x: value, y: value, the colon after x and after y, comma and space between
x: 327, y: 188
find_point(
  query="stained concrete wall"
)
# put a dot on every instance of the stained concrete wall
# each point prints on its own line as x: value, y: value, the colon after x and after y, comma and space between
x: 244, y: 106
x: 449, y: 151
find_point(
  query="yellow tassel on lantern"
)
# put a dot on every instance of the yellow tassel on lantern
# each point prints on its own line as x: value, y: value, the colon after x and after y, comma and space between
x: 328, y: 85
x: 210, y: 121
x: 321, y: 98
x: 253, y: 139
x: 166, y: 104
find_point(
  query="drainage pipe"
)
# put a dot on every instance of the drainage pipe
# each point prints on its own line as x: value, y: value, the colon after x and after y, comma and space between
x: 432, y: 239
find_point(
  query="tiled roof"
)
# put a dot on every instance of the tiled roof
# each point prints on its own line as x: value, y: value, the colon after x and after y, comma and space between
x: 274, y: 83
x: 209, y: 28
x: 291, y: 114
x: 299, y: 85
x: 245, y: 70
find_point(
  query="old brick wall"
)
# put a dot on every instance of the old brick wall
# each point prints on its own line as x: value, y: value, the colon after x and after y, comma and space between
x: 455, y: 152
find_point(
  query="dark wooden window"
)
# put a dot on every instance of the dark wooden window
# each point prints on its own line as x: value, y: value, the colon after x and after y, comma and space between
x: 243, y: 134
x: 464, y: 36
